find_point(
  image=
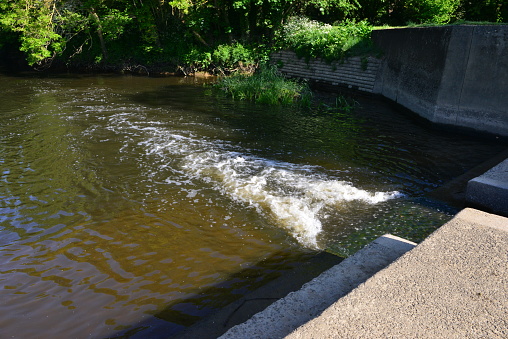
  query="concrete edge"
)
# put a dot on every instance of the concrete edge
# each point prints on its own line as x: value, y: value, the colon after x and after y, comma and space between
x: 485, y: 219
x: 489, y: 191
x: 239, y: 311
x: 283, y: 316
x: 453, y: 192
x: 427, y: 293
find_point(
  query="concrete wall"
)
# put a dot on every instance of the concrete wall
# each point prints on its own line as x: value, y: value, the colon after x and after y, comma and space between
x: 455, y: 75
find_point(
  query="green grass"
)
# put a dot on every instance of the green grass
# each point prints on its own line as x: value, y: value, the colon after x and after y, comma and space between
x: 266, y: 86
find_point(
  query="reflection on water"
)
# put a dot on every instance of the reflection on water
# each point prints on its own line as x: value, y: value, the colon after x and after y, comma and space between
x: 136, y: 206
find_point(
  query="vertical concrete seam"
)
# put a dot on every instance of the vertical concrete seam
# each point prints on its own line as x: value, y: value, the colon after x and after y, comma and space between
x: 464, y: 74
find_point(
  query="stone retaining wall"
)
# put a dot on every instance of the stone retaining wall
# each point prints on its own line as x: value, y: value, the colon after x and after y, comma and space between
x: 353, y: 73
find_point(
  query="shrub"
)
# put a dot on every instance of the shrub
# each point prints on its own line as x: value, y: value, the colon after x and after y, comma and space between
x: 229, y: 56
x: 312, y: 39
x: 197, y: 59
x: 226, y: 58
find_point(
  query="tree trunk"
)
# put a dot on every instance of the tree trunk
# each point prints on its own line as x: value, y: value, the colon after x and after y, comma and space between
x: 99, y: 33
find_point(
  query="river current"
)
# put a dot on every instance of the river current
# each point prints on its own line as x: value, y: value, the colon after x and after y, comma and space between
x: 134, y: 206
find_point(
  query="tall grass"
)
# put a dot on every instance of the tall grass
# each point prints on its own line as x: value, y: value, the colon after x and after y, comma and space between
x: 266, y: 86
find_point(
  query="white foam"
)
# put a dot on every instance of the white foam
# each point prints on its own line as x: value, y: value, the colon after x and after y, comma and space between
x: 293, y: 196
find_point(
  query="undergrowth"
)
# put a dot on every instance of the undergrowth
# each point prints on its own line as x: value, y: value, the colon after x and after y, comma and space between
x: 312, y: 39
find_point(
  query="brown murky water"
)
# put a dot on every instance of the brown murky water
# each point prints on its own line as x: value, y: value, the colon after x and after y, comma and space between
x: 134, y: 206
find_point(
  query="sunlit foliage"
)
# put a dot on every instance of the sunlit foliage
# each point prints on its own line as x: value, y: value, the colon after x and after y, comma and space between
x: 177, y: 31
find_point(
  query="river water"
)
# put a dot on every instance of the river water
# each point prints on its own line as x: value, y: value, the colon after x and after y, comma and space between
x: 134, y: 206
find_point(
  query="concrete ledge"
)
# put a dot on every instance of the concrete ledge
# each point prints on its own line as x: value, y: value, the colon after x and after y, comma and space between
x: 489, y: 191
x: 452, y: 285
x: 286, y: 314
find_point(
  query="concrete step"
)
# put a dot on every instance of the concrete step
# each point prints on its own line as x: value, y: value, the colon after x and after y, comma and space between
x: 452, y: 285
x: 489, y: 191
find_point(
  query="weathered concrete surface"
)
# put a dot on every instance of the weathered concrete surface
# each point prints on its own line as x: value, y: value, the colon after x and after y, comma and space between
x: 489, y: 191
x: 286, y: 314
x: 452, y: 285
x: 455, y: 75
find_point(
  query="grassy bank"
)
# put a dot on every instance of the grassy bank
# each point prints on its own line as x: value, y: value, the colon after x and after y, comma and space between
x: 266, y: 86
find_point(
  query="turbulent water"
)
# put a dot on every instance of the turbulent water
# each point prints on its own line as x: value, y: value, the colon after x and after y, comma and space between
x: 135, y: 206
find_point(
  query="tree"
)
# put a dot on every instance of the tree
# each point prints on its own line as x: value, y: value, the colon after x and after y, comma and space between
x: 34, y: 23
x: 44, y: 27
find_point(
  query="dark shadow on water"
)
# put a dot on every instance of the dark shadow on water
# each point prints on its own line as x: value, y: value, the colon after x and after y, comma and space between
x: 215, y: 309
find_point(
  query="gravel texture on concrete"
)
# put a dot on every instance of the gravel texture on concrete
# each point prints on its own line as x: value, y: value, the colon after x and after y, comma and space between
x: 452, y: 285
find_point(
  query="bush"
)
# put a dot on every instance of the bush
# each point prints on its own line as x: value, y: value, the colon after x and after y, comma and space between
x: 313, y: 39
x: 226, y: 58
x: 197, y: 59
x: 230, y: 56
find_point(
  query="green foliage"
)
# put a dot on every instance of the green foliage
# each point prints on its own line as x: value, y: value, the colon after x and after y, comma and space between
x: 401, y: 12
x: 312, y: 39
x: 220, y: 34
x: 197, y: 59
x: 231, y: 55
x: 427, y: 11
x: 226, y: 58
x: 483, y: 10
x: 113, y: 23
x: 33, y: 21
x: 267, y: 86
x: 45, y: 27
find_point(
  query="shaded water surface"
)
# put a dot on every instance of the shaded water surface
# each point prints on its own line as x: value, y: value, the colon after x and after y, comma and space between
x: 134, y: 206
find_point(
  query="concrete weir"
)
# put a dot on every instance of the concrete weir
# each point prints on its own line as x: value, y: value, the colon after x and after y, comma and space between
x: 452, y: 285
x: 453, y: 75
x: 455, y: 283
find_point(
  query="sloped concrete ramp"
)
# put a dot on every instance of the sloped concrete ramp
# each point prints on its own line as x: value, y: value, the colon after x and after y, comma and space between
x: 452, y: 285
